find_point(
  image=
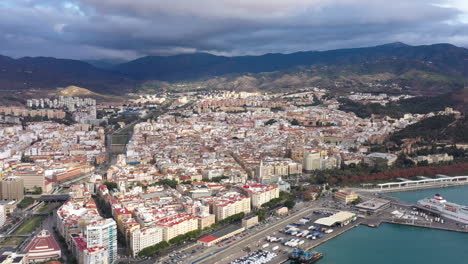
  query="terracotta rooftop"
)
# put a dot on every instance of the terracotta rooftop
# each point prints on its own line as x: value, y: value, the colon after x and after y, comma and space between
x: 207, y: 239
x: 43, y: 244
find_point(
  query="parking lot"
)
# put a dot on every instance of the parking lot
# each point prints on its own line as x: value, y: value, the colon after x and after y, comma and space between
x: 183, y: 255
x: 256, y: 257
x: 303, y: 234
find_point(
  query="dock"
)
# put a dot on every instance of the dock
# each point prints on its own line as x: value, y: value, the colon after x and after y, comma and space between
x: 387, y: 217
x: 441, y: 181
x: 377, y: 222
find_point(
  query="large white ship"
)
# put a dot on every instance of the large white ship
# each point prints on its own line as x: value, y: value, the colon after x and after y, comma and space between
x: 449, y: 210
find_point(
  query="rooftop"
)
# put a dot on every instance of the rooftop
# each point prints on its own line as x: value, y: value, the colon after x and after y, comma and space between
x: 43, y: 242
x: 336, y: 218
x: 372, y: 204
x: 208, y: 239
x: 225, y: 231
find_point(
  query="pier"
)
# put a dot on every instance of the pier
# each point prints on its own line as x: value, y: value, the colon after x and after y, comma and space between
x: 422, y: 183
x: 413, y: 220
x: 377, y: 222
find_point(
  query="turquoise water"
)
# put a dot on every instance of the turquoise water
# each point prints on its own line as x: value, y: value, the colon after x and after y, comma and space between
x: 457, y: 194
x: 390, y: 244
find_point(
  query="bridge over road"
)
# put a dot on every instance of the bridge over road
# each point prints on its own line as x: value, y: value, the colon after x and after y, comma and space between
x: 53, y: 198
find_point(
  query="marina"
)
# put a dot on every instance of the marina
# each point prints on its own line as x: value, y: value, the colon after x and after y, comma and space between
x: 415, y: 241
x: 404, y: 213
x: 399, y: 217
x: 316, y: 229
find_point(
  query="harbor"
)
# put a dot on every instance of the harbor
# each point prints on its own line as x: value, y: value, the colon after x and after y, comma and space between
x: 413, y: 215
x: 402, y: 214
x: 416, y: 241
x: 323, y: 224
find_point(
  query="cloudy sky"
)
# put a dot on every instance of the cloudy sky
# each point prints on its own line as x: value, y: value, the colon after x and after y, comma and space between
x: 126, y: 29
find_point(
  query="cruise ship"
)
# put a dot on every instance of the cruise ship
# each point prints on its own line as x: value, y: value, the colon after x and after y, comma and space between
x: 446, y: 209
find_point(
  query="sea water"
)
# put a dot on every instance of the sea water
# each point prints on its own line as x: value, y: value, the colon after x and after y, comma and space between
x: 396, y: 244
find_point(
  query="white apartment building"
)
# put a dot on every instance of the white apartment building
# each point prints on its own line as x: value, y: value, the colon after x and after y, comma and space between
x: 2, y: 215
x: 96, y: 255
x: 103, y: 233
x: 178, y: 225
x: 260, y: 194
x: 145, y: 237
x: 230, y: 205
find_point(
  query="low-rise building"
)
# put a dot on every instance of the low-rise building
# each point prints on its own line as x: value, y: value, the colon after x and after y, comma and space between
x: 282, y: 211
x: 380, y: 159
x: 341, y: 218
x: 373, y: 206
x: 220, y: 235
x: 249, y: 222
x: 43, y: 247
x: 345, y: 196
x: 13, y: 258
x: 434, y: 158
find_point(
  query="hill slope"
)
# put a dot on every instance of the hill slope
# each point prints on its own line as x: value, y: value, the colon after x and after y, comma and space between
x: 431, y: 69
x: 434, y: 129
x: 388, y: 76
x: 49, y: 73
x: 444, y: 58
x: 78, y: 91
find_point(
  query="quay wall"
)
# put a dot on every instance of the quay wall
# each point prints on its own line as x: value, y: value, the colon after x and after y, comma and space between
x: 426, y: 226
x: 414, y: 188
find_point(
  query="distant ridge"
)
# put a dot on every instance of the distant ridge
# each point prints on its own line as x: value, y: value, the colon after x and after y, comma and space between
x: 395, y: 45
x: 50, y: 73
x: 447, y: 58
x: 438, y: 62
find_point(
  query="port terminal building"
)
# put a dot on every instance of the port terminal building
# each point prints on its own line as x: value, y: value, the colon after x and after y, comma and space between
x: 339, y: 219
x: 373, y: 206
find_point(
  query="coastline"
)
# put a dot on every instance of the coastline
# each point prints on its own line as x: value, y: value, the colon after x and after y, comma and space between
x: 425, y: 226
x: 415, y: 188
x: 390, y: 237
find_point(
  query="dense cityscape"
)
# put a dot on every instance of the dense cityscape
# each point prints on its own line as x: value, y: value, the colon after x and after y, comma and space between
x: 195, y: 171
x: 233, y: 132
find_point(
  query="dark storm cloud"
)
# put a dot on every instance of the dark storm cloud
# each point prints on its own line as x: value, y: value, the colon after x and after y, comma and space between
x: 127, y: 29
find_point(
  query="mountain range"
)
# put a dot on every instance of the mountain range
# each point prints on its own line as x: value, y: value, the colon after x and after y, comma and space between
x: 431, y: 67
